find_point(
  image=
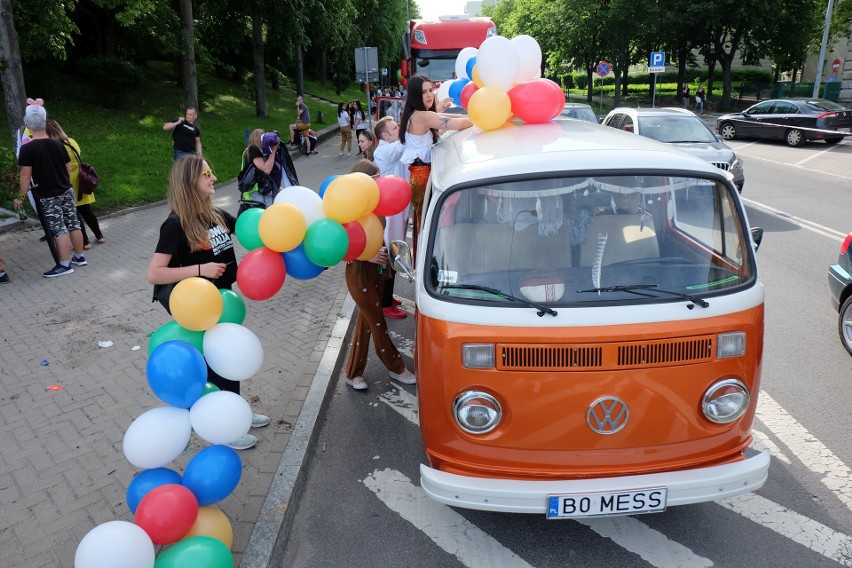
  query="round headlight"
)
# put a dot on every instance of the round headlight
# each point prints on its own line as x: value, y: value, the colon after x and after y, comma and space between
x: 477, y: 412
x: 725, y: 401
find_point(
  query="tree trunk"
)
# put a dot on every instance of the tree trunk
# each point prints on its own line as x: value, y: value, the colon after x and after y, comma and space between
x: 257, y: 57
x: 11, y: 72
x: 711, y: 72
x: 300, y: 72
x: 187, y: 59
x: 590, y: 85
x: 323, y: 67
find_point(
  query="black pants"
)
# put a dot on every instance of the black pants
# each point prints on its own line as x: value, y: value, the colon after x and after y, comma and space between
x: 85, y: 213
x: 387, y: 294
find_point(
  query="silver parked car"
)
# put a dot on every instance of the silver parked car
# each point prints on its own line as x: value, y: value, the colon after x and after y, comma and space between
x: 681, y: 128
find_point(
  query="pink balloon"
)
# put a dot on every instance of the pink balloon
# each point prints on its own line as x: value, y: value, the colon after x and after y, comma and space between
x: 467, y: 92
x: 394, y: 195
x: 357, y: 239
x: 534, y: 101
x: 261, y: 274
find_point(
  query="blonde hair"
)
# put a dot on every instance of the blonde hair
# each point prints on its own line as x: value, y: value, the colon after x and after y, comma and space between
x: 54, y: 130
x: 365, y: 167
x: 194, y: 211
x: 382, y: 126
x: 254, y: 137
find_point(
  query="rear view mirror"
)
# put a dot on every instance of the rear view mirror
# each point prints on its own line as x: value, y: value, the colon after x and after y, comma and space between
x: 756, y: 236
x: 401, y: 259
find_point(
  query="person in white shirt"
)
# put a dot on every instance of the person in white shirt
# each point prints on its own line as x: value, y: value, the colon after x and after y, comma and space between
x: 344, y: 120
x: 387, y: 157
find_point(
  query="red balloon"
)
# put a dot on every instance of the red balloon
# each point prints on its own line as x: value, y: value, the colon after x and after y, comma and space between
x: 357, y: 239
x: 261, y: 274
x: 467, y: 92
x: 534, y: 101
x: 394, y: 195
x: 167, y: 513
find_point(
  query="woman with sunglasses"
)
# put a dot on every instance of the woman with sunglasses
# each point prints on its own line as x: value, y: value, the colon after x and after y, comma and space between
x: 195, y: 240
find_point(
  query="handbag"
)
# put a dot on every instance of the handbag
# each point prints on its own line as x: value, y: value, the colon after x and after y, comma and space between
x: 162, y: 294
x: 87, y: 176
x: 253, y: 179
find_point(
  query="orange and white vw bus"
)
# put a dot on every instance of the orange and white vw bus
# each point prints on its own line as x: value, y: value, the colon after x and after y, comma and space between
x: 590, y: 325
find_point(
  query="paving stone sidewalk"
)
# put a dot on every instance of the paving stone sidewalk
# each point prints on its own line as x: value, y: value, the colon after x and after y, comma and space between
x: 62, y: 467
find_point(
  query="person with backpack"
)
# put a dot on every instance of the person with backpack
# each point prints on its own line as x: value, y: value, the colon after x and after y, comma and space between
x: 272, y: 170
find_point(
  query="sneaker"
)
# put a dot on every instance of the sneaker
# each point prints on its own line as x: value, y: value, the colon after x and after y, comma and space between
x: 396, y: 301
x: 79, y: 260
x: 394, y: 313
x: 259, y: 420
x: 43, y: 239
x: 4, y: 278
x: 58, y: 270
x: 244, y: 443
x: 87, y: 246
x: 357, y: 383
x: 312, y: 152
x: 406, y: 377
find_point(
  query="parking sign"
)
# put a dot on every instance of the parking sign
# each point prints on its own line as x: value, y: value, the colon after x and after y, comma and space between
x: 657, y: 62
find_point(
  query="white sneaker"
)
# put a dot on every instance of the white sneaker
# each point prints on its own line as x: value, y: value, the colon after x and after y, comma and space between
x: 406, y: 377
x: 259, y: 420
x: 357, y: 383
x: 244, y: 443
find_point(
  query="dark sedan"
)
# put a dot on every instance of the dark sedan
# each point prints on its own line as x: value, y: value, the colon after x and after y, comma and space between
x: 793, y: 120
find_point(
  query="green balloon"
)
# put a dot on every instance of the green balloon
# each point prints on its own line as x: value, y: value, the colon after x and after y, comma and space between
x: 201, y: 551
x: 234, y: 310
x: 326, y: 242
x: 247, y: 228
x: 174, y: 331
x: 208, y: 388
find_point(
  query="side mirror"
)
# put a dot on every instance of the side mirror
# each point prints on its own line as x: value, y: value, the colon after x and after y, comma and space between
x: 756, y: 236
x: 401, y: 259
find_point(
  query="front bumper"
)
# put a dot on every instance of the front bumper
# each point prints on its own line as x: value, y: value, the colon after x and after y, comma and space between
x: 514, y: 496
x: 838, y: 280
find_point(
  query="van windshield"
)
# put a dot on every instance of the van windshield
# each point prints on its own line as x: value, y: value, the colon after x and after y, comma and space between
x: 589, y: 241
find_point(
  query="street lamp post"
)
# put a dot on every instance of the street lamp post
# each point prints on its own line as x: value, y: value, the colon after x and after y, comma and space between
x: 821, y: 60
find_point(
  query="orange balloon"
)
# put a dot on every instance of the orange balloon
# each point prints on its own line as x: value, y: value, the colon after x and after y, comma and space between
x: 213, y: 523
x: 476, y: 80
x: 196, y: 304
x: 375, y: 236
x: 372, y: 190
x: 489, y: 108
x: 282, y: 227
x: 346, y: 198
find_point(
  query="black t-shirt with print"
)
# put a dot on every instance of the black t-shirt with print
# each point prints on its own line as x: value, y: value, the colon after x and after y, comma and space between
x: 184, y: 136
x: 47, y: 157
x: 173, y: 241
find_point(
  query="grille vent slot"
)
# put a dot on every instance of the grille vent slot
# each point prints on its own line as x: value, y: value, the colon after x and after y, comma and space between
x: 548, y: 357
x: 663, y: 352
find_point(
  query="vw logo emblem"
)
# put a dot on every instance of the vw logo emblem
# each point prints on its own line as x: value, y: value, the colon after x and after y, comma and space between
x: 607, y: 415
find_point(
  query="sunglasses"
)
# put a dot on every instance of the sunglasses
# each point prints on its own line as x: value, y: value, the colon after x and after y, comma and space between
x: 207, y: 173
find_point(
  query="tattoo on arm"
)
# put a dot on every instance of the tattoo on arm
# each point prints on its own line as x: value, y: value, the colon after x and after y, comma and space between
x: 445, y: 121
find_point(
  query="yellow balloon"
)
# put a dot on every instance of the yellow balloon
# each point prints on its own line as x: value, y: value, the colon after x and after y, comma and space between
x: 282, y: 227
x: 477, y: 81
x: 213, y: 523
x: 196, y: 304
x: 375, y: 235
x: 346, y: 198
x: 489, y: 108
x: 372, y: 189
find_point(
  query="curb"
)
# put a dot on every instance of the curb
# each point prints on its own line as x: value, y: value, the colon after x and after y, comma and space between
x: 269, y: 536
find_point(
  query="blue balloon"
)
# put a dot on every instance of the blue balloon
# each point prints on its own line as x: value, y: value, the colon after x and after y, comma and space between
x: 146, y: 481
x: 456, y: 88
x: 299, y: 266
x: 212, y: 474
x: 324, y: 184
x: 469, y: 68
x: 176, y: 373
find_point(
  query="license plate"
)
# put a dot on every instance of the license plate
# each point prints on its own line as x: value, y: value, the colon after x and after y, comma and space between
x: 635, y: 502
x: 844, y: 129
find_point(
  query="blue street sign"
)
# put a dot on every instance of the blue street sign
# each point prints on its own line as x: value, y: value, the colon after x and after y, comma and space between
x: 603, y: 69
x: 657, y: 62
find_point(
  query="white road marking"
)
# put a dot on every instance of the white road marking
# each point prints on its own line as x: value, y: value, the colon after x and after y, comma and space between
x: 762, y: 443
x: 798, y: 528
x: 403, y: 403
x: 449, y: 530
x: 777, y: 163
x: 811, y: 452
x: 800, y: 222
x: 403, y: 344
x: 815, y: 155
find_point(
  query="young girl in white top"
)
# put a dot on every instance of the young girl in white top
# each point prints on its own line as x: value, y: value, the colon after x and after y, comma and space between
x: 344, y: 120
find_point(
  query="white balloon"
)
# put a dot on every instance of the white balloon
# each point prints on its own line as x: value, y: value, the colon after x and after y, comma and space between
x: 220, y: 417
x: 305, y: 199
x: 443, y: 91
x: 233, y: 351
x: 157, y: 437
x: 461, y: 61
x: 115, y: 543
x: 529, y: 57
x: 497, y: 63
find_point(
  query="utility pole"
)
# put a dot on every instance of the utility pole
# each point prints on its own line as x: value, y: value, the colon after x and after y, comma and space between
x: 821, y: 60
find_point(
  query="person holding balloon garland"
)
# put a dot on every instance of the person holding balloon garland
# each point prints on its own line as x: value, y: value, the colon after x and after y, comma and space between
x: 195, y: 241
x: 418, y: 129
x: 366, y: 284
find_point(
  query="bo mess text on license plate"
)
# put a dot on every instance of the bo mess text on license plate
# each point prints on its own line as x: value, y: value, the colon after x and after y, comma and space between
x: 651, y: 500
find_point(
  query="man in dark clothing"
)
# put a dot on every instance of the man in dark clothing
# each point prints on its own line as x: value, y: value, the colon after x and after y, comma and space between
x: 185, y: 133
x: 46, y: 161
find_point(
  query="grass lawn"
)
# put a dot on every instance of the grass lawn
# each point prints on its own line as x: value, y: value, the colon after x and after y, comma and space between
x: 133, y: 154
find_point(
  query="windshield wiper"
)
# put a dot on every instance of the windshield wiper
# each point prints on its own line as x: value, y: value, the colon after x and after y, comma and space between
x: 541, y: 309
x: 632, y: 289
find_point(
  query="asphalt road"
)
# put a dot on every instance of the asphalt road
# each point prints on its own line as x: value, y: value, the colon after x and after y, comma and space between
x: 362, y: 505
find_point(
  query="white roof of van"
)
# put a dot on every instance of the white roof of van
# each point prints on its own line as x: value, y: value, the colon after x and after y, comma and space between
x: 563, y: 146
